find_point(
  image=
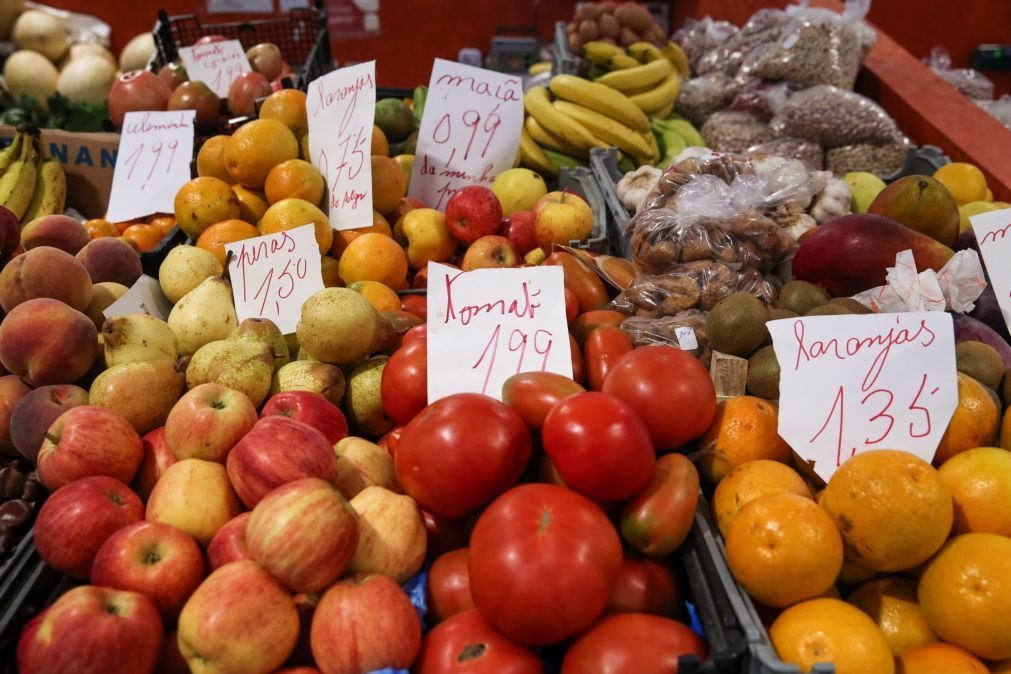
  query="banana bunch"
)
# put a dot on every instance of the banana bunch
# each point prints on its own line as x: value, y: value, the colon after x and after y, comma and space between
x: 648, y: 75
x: 31, y: 183
x: 674, y: 134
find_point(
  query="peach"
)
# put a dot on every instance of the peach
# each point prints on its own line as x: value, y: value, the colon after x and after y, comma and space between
x: 44, y: 341
x: 12, y: 391
x: 111, y: 259
x: 57, y: 231
x: 37, y: 411
x: 45, y: 272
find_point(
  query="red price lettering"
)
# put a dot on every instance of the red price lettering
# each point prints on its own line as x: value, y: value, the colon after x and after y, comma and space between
x: 268, y: 292
x: 154, y: 153
x: 517, y: 343
x: 225, y: 76
x: 471, y: 119
x: 352, y: 160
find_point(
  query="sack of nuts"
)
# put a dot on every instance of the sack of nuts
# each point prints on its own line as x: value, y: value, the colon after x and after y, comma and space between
x: 678, y: 330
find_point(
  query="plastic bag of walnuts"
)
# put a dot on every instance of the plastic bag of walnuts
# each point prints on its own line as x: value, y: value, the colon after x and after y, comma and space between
x: 679, y: 330
x: 696, y: 285
x: 834, y: 117
x: 763, y: 27
x: 700, y: 97
x: 731, y: 131
x: 698, y: 38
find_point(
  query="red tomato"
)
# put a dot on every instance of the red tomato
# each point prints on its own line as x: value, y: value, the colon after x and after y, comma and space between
x: 602, y: 349
x: 533, y: 394
x: 199, y: 97
x: 466, y: 644
x: 404, y: 386
x: 669, y: 389
x: 136, y: 91
x: 390, y: 439
x: 591, y: 320
x: 632, y: 644
x: 460, y: 453
x: 416, y: 304
x: 542, y: 562
x: 571, y: 306
x: 581, y: 280
x: 419, y: 332
x: 578, y: 366
x: 600, y: 447
x: 657, y: 520
x: 645, y: 586
x: 444, y: 535
x: 448, y: 588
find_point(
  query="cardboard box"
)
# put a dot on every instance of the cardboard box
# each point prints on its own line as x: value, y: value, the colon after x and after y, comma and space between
x: 89, y: 160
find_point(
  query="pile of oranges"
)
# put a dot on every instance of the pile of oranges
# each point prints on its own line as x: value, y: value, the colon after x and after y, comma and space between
x: 144, y: 234
x: 894, y: 566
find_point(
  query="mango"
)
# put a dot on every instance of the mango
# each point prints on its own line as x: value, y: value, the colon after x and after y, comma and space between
x: 850, y: 254
x: 922, y: 204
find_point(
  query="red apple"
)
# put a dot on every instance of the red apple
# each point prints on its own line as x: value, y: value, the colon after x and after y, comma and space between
x: 240, y: 619
x: 265, y: 58
x: 305, y: 604
x: 157, y: 458
x: 473, y: 212
x: 229, y: 544
x: 304, y: 533
x: 365, y: 624
x: 519, y: 229
x: 89, y: 440
x: 278, y: 450
x: 309, y: 408
x: 93, y: 629
x: 207, y: 422
x: 77, y: 519
x: 157, y: 560
x: 561, y: 217
x: 490, y: 252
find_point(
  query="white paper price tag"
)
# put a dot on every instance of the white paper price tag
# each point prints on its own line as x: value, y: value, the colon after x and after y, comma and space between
x: 341, y: 107
x: 686, y: 338
x: 853, y: 383
x: 993, y: 232
x: 272, y: 276
x: 215, y: 64
x: 152, y: 163
x: 469, y: 133
x: 143, y: 297
x: 486, y: 325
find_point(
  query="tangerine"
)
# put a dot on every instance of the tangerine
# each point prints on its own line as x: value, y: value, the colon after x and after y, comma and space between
x: 217, y: 235
x: 891, y: 603
x: 374, y: 257
x: 744, y: 429
x: 147, y: 237
x: 342, y: 237
x: 388, y: 184
x: 974, y: 424
x: 750, y: 480
x: 291, y: 213
x: 980, y: 484
x: 296, y: 179
x: 257, y: 147
x: 288, y: 107
x: 938, y: 659
x: 211, y: 159
x: 100, y: 227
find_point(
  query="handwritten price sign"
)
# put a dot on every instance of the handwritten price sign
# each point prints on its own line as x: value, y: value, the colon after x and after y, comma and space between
x: 484, y: 326
x: 993, y: 232
x: 469, y: 133
x: 853, y: 383
x: 341, y: 107
x: 272, y: 276
x: 153, y: 162
x: 215, y: 64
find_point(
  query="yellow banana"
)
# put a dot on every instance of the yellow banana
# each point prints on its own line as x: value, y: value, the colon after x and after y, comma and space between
x: 645, y: 52
x: 18, y: 183
x: 621, y: 62
x: 11, y: 153
x: 601, y: 53
x: 50, y: 190
x: 664, y: 112
x: 638, y: 77
x: 661, y: 96
x: 650, y: 140
x: 676, y: 55
x: 606, y: 128
x: 539, y: 68
x: 534, y: 158
x: 538, y: 105
x: 601, y: 98
x: 545, y: 138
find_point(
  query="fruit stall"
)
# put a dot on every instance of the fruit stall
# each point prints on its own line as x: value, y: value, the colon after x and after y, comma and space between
x: 684, y: 348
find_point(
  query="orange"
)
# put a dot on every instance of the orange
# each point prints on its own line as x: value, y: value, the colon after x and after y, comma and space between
x: 257, y: 147
x: 331, y: 272
x: 100, y: 227
x: 288, y: 107
x: 938, y: 659
x: 291, y: 213
x: 252, y: 203
x: 783, y: 548
x: 750, y: 480
x: 380, y: 145
x: 853, y: 574
x: 133, y: 244
x: 743, y: 430
x: 374, y: 257
x: 1001, y: 667
x: 203, y: 201
x: 381, y: 296
x: 829, y: 630
x: 1005, y: 431
x: 217, y: 235
x: 388, y: 184
x: 891, y: 604
x: 296, y: 179
x: 965, y: 182
x: 211, y: 159
x: 965, y: 593
x: 147, y: 237
x: 892, y: 508
x: 303, y: 148
x: 342, y: 237
x: 163, y: 222
x: 980, y: 484
x: 974, y: 423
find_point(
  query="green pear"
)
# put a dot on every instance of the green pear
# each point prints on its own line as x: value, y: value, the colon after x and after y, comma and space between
x: 137, y: 338
x: 203, y: 315
x: 185, y: 268
x: 305, y: 375
x: 340, y: 326
x: 865, y: 187
x: 263, y: 331
x: 242, y: 366
x: 363, y: 401
x: 143, y: 392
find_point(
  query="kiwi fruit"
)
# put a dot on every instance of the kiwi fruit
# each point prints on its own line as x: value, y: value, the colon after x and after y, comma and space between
x: 776, y: 314
x: 800, y: 297
x: 830, y: 309
x: 851, y: 304
x: 981, y: 362
x: 763, y: 374
x: 736, y: 325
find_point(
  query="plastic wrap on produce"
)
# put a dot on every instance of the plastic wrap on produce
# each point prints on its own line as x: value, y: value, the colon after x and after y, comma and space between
x: 834, y: 117
x: 763, y: 27
x: 970, y: 82
x: 761, y: 99
x: 694, y: 285
x: 999, y: 109
x: 804, y: 151
x: 698, y: 38
x: 701, y: 96
x: 671, y: 331
x: 957, y: 286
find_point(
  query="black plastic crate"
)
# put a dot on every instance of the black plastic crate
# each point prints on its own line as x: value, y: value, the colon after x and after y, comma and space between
x: 301, y: 36
x: 151, y: 260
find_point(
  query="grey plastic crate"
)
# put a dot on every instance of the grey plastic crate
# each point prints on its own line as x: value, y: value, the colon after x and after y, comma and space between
x: 604, y: 166
x: 581, y: 181
x: 563, y: 61
x: 922, y: 160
